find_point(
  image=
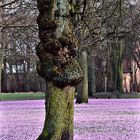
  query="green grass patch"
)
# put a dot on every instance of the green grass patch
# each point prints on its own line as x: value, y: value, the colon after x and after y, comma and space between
x: 130, y: 96
x: 113, y: 95
x: 41, y: 95
x: 21, y: 96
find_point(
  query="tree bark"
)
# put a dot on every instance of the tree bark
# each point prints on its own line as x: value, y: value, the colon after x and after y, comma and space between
x: 117, y: 67
x: 83, y: 96
x: 3, y: 36
x: 59, y: 114
x: 57, y: 64
x: 2, y: 40
x: 1, y: 63
x: 92, y: 78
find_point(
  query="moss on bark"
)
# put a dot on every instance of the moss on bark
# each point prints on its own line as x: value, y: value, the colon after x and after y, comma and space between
x: 59, y: 114
x: 59, y: 45
x: 57, y: 54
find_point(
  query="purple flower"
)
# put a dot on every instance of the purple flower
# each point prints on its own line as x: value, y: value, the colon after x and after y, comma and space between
x: 100, y: 119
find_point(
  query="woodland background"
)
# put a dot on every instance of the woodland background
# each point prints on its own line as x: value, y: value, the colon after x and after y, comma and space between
x: 109, y: 32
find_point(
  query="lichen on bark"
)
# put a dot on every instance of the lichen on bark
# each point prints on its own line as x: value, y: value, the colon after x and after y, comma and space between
x: 59, y: 114
x: 58, y: 46
x: 57, y: 52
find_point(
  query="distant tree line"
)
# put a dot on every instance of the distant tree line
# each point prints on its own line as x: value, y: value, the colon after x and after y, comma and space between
x: 108, y: 30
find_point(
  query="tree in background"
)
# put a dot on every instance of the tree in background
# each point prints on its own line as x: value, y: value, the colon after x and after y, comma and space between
x: 100, y: 24
x: 21, y: 37
x: 106, y: 25
x: 82, y: 95
x: 2, y: 43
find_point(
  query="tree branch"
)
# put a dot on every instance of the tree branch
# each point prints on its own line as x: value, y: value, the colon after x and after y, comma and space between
x: 6, y: 4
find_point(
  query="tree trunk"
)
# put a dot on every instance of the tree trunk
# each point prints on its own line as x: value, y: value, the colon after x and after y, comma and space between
x: 117, y: 67
x: 59, y: 114
x: 57, y: 54
x: 83, y: 96
x: 2, y: 47
x: 92, y: 78
x: 2, y: 40
x: 1, y: 65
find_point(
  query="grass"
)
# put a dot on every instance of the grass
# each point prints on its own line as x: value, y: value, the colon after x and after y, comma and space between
x: 130, y: 96
x: 41, y: 95
x: 113, y: 95
x: 22, y: 96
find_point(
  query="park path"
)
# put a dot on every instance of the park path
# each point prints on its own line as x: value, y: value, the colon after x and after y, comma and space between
x: 100, y: 119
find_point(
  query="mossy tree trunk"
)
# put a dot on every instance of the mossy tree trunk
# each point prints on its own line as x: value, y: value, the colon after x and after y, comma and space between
x: 82, y: 97
x: 57, y: 54
x: 59, y: 114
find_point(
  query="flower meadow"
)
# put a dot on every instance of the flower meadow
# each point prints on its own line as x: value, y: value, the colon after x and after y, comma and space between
x: 100, y: 119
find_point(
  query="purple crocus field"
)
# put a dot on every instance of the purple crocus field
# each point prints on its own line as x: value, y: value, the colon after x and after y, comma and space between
x: 100, y: 119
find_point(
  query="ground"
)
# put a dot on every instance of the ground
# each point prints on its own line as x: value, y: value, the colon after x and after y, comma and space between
x: 41, y: 95
x: 22, y: 96
x: 100, y: 119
